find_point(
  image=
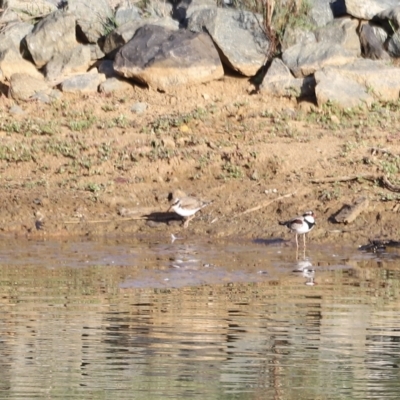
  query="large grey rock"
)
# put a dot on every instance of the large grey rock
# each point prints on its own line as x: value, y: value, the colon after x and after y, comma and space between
x: 391, y: 14
x: 96, y: 53
x: 379, y: 80
x: 341, y: 31
x: 28, y: 9
x: 24, y: 86
x: 13, y: 34
x: 162, y: 58
x: 185, y: 8
x: 106, y: 67
x: 47, y: 97
x: 123, y: 34
x: 279, y: 82
x: 126, y: 13
x: 53, y: 35
x: 83, y: 83
x: 371, y: 44
x: 297, y: 35
x: 368, y: 9
x: 71, y: 61
x: 338, y: 89
x: 159, y: 8
x: 238, y: 35
x: 324, y: 11
x: 394, y: 44
x: 379, y: 77
x: 304, y: 60
x: 94, y: 18
x: 11, y: 62
x: 113, y: 85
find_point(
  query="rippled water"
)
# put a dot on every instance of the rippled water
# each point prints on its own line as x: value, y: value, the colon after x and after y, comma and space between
x: 148, y: 319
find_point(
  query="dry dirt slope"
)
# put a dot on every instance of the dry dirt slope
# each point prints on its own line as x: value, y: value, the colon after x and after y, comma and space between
x: 89, y: 165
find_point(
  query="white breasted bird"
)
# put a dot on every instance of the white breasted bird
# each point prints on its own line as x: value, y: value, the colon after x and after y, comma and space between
x: 187, y: 207
x: 301, y: 225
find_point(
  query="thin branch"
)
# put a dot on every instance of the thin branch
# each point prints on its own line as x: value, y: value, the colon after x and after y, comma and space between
x: 390, y: 186
x: 345, y: 178
x: 383, y: 179
x: 264, y: 204
x: 100, y: 221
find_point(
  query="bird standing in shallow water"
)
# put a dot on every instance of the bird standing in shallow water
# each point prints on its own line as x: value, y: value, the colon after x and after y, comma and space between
x: 301, y: 225
x: 187, y: 207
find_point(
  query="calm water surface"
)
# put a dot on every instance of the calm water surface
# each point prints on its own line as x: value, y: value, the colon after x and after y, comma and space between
x: 151, y: 319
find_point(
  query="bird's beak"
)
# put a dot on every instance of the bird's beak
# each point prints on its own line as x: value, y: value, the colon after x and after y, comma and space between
x: 170, y: 208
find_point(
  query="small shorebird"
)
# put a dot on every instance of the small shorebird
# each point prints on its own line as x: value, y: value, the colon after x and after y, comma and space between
x: 301, y: 225
x: 187, y: 207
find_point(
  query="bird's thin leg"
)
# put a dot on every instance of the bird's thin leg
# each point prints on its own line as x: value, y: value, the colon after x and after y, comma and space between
x: 304, y: 240
x: 186, y: 224
x: 297, y: 242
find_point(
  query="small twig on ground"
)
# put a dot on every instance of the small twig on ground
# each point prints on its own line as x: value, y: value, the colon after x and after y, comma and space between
x: 384, y: 180
x: 345, y: 178
x: 388, y: 185
x: 264, y: 204
x: 99, y: 221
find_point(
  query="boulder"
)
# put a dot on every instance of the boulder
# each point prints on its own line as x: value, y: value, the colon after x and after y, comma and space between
x: 71, y: 61
x: 368, y: 9
x: 96, y: 53
x: 28, y: 9
x: 362, y: 81
x: 159, y: 8
x: 379, y: 77
x: 185, y: 8
x: 11, y: 62
x: 83, y: 83
x: 13, y: 34
x: 393, y: 16
x: 335, y: 88
x: 94, y: 18
x: 24, y: 86
x: 279, y: 82
x: 123, y: 34
x: 297, y: 35
x: 394, y: 44
x: 324, y: 11
x: 304, y: 60
x: 238, y: 35
x: 371, y: 44
x: 112, y: 85
x: 163, y: 58
x: 126, y: 13
x: 53, y: 35
x: 341, y: 31
x: 106, y: 67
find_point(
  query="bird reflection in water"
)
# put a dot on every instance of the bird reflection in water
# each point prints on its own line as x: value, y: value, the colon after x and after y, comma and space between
x: 305, y: 268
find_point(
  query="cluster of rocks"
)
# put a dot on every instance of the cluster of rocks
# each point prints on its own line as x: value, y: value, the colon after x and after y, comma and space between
x: 343, y: 54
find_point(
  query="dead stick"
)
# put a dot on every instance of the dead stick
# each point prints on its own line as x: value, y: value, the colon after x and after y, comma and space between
x: 265, y: 204
x: 385, y: 181
x: 99, y: 221
x: 388, y: 185
x: 344, y: 178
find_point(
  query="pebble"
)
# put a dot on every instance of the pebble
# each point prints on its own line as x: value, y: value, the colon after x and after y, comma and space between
x: 139, y: 108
